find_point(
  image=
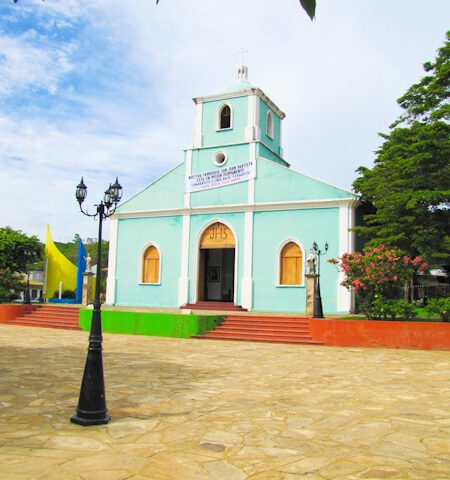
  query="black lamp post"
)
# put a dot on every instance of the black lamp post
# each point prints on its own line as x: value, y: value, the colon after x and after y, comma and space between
x: 91, y: 408
x: 27, y: 297
x: 317, y: 307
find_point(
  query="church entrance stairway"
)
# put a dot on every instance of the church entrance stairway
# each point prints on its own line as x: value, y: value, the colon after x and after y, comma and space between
x: 293, y: 330
x: 47, y: 316
x: 207, y: 305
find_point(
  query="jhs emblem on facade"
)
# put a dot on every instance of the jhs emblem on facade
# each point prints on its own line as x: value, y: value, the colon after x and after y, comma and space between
x: 217, y: 235
x: 218, y: 232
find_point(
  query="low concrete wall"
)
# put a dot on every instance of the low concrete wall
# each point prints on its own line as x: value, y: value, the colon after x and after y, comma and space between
x: 370, y: 333
x: 148, y: 323
x: 11, y: 311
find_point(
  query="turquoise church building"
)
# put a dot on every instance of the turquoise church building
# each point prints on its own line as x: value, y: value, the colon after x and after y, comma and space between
x: 232, y: 224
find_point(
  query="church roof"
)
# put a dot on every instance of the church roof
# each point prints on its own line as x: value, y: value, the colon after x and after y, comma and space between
x: 240, y: 85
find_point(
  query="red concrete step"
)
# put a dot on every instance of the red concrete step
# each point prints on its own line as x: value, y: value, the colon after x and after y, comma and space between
x: 260, y: 339
x: 46, y: 319
x: 259, y: 334
x: 244, y: 329
x: 255, y: 318
x: 50, y: 317
x: 29, y: 323
x: 261, y: 324
x: 261, y: 328
x: 52, y: 311
x: 203, y: 305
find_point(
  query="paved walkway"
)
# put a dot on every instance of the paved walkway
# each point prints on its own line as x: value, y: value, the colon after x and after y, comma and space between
x: 193, y: 409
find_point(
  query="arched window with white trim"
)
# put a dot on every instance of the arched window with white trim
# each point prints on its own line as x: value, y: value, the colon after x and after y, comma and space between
x: 269, y: 125
x: 291, y: 264
x: 151, y: 265
x: 224, y: 117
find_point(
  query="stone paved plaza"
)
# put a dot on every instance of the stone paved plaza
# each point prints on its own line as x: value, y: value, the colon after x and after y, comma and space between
x: 193, y: 409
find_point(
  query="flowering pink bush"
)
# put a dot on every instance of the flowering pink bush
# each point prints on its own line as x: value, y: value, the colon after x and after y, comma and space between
x: 379, y: 271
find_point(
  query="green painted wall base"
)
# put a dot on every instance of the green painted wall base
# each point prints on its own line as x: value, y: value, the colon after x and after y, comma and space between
x: 155, y: 324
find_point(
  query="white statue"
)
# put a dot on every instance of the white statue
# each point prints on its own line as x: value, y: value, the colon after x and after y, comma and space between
x: 311, y: 261
x: 88, y: 260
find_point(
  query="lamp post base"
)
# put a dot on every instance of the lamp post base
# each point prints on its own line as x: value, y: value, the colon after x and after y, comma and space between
x: 318, y: 311
x: 101, y: 419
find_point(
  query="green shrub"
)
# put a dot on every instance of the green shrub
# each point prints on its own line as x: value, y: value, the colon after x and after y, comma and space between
x: 10, y: 285
x: 439, y: 307
x: 386, y: 309
x: 404, y: 310
x: 375, y: 310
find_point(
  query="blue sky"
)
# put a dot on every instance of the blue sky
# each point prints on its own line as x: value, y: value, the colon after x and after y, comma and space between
x: 104, y: 88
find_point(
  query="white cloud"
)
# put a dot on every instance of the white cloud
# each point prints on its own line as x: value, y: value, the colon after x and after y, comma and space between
x: 336, y: 78
x: 24, y: 65
x: 42, y: 163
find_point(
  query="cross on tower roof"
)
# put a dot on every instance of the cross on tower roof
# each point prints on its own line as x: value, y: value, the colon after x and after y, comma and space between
x: 242, y: 52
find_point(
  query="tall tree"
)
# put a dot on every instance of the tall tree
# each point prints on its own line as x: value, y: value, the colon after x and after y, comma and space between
x: 409, y: 183
x: 427, y: 101
x: 18, y: 252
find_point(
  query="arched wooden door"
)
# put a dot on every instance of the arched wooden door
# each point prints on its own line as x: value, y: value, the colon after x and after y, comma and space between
x: 216, y: 264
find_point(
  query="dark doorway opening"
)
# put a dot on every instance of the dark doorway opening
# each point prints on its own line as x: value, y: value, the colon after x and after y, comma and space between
x: 216, y: 274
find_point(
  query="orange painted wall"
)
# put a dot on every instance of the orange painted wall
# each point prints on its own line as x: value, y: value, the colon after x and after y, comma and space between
x: 10, y: 312
x: 369, y: 333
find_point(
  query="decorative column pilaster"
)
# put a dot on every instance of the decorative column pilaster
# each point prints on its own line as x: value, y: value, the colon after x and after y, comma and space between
x: 87, y: 288
x: 311, y: 283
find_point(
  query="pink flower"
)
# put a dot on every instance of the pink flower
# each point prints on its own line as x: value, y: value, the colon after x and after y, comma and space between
x: 424, y: 266
x: 395, y: 278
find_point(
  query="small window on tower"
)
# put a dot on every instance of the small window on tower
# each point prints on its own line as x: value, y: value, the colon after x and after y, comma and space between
x: 269, y: 125
x: 225, y: 117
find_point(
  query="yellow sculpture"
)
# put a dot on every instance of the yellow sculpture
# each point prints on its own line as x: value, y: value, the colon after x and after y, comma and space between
x: 58, y: 268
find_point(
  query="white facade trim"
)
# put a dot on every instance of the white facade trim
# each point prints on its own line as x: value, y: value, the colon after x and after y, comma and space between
x: 247, y: 277
x: 257, y: 128
x: 278, y: 270
x: 141, y: 264
x: 345, y: 298
x: 112, y: 262
x: 183, y: 282
x: 197, y: 257
x: 250, y: 129
x: 198, y: 136
x: 243, y: 93
x: 280, y: 141
x: 251, y: 182
x: 188, y: 172
x: 240, y: 207
x: 258, y: 135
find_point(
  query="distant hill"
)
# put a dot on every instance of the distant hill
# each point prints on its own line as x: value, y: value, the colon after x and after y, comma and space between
x: 70, y: 250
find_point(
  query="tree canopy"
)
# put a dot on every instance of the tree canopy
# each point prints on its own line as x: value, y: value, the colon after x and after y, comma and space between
x: 18, y: 252
x: 427, y: 100
x: 409, y: 183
